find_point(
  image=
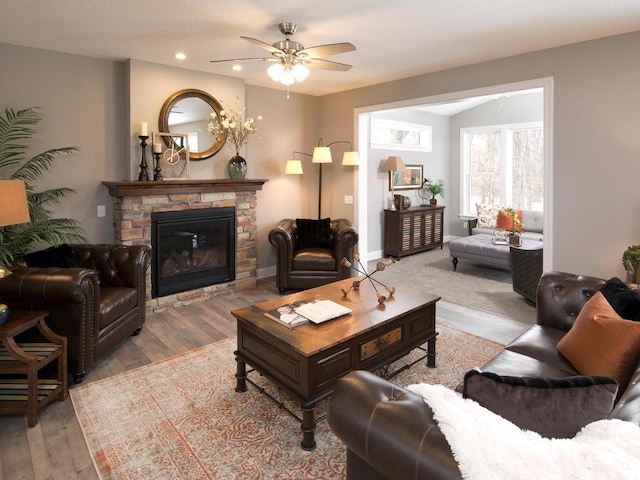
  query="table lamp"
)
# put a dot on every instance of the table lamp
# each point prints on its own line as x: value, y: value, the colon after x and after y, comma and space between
x: 15, y: 209
x: 392, y: 165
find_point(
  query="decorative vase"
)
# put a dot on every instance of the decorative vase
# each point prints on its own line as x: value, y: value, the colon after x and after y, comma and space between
x: 515, y: 240
x: 237, y: 167
x: 433, y: 201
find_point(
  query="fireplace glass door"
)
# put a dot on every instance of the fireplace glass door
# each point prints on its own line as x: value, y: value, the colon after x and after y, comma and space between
x: 192, y: 249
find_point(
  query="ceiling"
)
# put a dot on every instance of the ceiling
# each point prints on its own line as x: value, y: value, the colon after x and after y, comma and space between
x: 394, y: 38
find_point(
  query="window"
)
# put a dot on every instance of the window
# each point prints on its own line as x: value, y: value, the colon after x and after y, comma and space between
x: 192, y: 141
x: 502, y: 165
x: 395, y: 135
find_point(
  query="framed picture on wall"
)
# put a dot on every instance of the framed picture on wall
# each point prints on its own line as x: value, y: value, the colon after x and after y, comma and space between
x: 408, y: 179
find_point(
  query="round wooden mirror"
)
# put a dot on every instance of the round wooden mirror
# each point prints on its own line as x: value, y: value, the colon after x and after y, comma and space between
x: 188, y: 112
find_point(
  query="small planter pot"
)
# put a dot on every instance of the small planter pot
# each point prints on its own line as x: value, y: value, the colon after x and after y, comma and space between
x: 433, y: 201
x: 515, y: 240
x: 633, y: 276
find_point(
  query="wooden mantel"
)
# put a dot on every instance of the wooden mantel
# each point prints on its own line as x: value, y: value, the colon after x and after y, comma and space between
x: 167, y: 187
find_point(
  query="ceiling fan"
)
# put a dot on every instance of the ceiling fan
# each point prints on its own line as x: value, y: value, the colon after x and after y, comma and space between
x: 291, y: 59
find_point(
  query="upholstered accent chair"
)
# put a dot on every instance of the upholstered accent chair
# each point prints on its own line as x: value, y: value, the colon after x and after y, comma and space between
x: 309, y: 252
x: 95, y: 296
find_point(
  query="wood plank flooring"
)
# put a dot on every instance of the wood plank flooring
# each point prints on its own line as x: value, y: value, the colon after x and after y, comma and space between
x: 55, y: 448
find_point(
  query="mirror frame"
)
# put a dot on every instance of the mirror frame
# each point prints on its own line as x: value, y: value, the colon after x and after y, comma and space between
x: 163, y: 121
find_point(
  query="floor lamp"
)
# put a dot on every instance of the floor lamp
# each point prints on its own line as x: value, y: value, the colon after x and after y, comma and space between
x: 392, y: 165
x: 323, y: 155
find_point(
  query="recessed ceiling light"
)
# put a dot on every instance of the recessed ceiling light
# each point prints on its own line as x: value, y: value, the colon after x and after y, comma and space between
x: 180, y: 56
x: 237, y: 68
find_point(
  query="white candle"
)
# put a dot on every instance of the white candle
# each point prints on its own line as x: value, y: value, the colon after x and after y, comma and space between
x: 143, y: 131
x: 157, y: 147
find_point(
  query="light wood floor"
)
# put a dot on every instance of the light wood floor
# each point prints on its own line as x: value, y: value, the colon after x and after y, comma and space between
x: 55, y: 448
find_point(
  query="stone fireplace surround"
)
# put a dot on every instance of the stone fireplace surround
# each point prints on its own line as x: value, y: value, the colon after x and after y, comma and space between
x: 133, y: 203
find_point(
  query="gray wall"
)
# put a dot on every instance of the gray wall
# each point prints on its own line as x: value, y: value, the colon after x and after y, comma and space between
x: 595, y: 142
x: 435, y: 165
x: 94, y: 104
x: 97, y: 105
x: 82, y: 103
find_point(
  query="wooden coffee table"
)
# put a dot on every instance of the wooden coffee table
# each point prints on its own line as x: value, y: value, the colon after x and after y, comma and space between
x: 306, y: 361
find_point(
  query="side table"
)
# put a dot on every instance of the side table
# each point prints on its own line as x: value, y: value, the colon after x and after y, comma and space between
x: 21, y: 391
x: 526, y: 269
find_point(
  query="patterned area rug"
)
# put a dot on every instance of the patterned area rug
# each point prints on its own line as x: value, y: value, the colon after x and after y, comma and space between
x: 180, y: 418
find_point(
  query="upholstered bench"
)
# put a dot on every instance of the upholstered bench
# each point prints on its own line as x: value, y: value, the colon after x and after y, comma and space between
x: 480, y: 248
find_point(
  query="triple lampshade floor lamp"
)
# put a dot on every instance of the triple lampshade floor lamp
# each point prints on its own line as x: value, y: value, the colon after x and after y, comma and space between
x: 321, y: 155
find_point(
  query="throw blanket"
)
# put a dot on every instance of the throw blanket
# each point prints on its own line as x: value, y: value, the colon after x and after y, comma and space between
x: 486, y: 446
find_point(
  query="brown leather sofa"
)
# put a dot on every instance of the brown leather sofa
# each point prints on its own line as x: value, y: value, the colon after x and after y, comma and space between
x: 95, y: 305
x: 389, y: 431
x: 301, y: 268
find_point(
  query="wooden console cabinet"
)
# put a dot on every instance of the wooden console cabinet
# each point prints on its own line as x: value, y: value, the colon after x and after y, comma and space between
x: 413, y: 230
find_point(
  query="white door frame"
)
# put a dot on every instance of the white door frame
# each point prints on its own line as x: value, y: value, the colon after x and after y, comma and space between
x: 361, y: 134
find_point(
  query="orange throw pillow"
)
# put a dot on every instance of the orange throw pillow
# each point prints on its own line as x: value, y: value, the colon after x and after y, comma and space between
x: 601, y: 342
x: 505, y: 222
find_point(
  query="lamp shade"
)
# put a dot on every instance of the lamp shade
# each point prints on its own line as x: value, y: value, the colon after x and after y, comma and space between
x: 321, y: 155
x: 393, y: 164
x: 15, y: 209
x: 350, y: 158
x: 293, y: 167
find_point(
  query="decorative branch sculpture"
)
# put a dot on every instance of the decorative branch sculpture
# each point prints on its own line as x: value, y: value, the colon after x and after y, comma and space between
x: 380, y: 266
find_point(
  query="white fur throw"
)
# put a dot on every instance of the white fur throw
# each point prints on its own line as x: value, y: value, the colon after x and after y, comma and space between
x: 487, y: 447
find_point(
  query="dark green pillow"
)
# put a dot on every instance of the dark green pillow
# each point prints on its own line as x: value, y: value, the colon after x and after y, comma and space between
x: 61, y: 257
x: 552, y: 407
x: 314, y: 233
x: 624, y: 301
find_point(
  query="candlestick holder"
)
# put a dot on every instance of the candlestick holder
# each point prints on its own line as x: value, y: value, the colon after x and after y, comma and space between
x: 143, y: 175
x: 380, y: 266
x: 157, y: 172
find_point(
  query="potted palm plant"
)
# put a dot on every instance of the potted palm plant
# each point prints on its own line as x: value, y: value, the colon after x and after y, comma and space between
x: 16, y: 130
x: 433, y: 188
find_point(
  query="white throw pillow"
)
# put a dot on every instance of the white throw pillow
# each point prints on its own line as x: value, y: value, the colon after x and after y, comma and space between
x: 487, y: 215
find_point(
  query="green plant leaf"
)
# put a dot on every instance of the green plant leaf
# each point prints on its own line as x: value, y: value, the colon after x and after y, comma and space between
x: 17, y: 129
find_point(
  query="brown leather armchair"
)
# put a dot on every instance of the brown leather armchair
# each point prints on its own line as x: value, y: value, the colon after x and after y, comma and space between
x: 95, y: 305
x: 301, y: 268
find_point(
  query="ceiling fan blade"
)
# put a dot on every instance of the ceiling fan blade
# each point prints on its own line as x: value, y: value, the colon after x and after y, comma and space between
x: 264, y: 45
x: 327, y: 65
x: 329, y: 49
x: 266, y: 59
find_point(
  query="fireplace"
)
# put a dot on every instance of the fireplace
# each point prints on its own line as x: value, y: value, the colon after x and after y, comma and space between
x: 192, y: 249
x: 134, y: 203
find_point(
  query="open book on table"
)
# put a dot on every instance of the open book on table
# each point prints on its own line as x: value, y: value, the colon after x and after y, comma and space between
x: 322, y: 310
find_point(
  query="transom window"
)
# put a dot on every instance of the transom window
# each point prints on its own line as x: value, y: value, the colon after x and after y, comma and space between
x: 504, y: 165
x: 396, y: 135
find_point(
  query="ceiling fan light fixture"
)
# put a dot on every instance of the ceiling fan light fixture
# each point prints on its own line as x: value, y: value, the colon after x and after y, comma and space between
x: 287, y: 77
x: 300, y: 72
x: 275, y: 71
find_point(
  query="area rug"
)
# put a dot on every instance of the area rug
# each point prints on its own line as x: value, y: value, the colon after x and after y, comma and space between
x: 180, y: 418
